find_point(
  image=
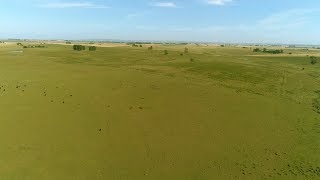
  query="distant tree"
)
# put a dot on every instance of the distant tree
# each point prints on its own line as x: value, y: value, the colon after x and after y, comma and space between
x: 68, y: 42
x: 140, y: 45
x: 271, y: 51
x: 186, y: 50
x: 39, y: 46
x: 222, y: 45
x: 256, y: 50
x: 92, y: 48
x: 277, y: 51
x: 78, y: 47
x: 166, y: 52
x: 313, y: 60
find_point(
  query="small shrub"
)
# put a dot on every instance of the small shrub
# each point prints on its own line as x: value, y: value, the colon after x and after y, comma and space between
x: 92, y: 48
x: 186, y: 50
x: 313, y: 60
x: 150, y: 48
x: 140, y: 45
x: 68, y: 42
x: 316, y: 102
x: 166, y: 52
x: 256, y: 50
x: 181, y: 54
x: 191, y: 60
x: 316, y: 105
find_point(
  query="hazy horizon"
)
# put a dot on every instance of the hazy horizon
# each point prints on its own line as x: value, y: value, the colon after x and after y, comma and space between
x: 225, y: 21
x: 156, y: 41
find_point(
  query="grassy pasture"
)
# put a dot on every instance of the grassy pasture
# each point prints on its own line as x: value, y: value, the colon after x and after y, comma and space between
x: 132, y: 113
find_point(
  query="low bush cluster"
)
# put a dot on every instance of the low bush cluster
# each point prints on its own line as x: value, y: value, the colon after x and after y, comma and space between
x: 79, y: 47
x: 271, y: 51
x: 92, y: 48
x: 34, y: 46
x: 313, y: 60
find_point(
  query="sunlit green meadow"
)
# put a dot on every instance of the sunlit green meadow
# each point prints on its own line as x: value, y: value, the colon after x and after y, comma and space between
x: 132, y: 113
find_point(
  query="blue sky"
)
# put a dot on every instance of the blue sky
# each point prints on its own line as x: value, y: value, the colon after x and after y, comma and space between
x: 258, y: 21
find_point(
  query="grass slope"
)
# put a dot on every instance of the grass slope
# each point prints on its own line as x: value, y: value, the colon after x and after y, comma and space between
x: 132, y: 113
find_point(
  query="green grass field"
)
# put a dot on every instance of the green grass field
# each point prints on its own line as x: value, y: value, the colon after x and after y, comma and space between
x: 133, y: 113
